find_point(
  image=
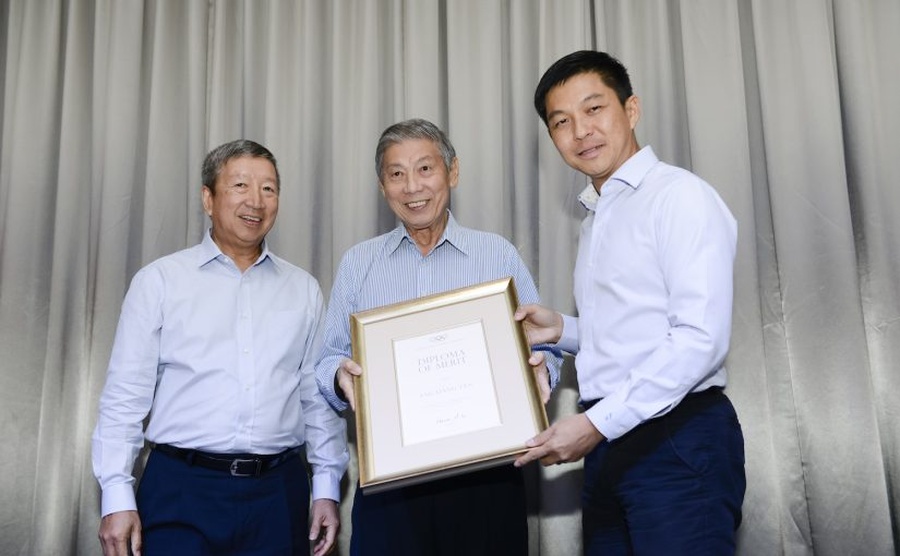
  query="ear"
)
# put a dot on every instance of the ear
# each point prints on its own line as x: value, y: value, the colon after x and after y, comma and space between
x: 454, y: 172
x: 633, y: 110
x: 206, y: 195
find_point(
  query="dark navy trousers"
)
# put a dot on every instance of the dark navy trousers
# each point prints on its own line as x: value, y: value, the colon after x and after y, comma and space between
x: 187, y: 509
x: 482, y: 513
x: 674, y: 485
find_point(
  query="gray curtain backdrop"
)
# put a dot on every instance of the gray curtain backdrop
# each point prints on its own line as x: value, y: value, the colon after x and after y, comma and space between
x: 789, y: 108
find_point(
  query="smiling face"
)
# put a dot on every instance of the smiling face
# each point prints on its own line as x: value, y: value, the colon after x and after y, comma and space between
x: 243, y: 206
x: 416, y: 184
x: 590, y: 127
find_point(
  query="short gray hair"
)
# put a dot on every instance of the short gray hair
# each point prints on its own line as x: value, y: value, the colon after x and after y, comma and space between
x: 415, y: 128
x: 219, y: 156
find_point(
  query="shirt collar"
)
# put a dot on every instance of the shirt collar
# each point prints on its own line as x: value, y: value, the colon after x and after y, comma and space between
x: 209, y: 251
x: 453, y: 234
x: 629, y: 174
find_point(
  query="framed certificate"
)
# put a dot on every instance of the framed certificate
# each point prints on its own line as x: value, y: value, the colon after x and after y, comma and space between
x: 446, y: 386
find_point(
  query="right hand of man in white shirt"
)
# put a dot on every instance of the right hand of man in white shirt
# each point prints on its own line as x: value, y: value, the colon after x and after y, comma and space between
x: 118, y: 530
x: 346, y: 371
x: 542, y: 325
x: 567, y: 440
x: 324, y: 527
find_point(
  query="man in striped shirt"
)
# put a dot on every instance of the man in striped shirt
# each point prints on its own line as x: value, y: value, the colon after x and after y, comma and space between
x: 479, y: 513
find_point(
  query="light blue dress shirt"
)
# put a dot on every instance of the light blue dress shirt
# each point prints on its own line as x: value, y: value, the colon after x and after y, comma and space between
x: 653, y: 289
x: 390, y: 269
x: 223, y: 361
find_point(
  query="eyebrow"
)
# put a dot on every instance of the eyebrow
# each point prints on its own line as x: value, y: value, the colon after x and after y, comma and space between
x: 588, y: 98
x: 426, y: 158
x: 244, y: 177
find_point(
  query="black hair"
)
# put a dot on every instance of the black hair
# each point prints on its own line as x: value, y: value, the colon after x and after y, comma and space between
x: 610, y: 70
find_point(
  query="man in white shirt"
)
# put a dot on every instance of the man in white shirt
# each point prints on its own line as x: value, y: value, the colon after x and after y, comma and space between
x: 217, y: 344
x: 663, y: 448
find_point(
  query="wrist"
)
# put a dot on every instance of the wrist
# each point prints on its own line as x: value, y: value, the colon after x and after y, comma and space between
x: 339, y: 392
x: 560, y: 325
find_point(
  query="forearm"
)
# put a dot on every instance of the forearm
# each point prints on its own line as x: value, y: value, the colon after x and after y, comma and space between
x: 113, y: 463
x: 569, y: 340
x: 326, y: 380
x: 119, y: 437
x: 326, y: 443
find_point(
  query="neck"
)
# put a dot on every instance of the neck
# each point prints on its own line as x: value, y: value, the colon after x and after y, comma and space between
x: 243, y: 257
x: 427, y: 238
x: 598, y: 181
x: 244, y: 260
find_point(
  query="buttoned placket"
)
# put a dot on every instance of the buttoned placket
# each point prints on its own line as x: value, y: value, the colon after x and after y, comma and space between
x: 246, y: 361
x: 424, y: 276
x: 612, y: 192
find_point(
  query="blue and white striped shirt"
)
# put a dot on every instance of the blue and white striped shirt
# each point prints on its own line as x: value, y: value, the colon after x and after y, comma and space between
x: 390, y: 269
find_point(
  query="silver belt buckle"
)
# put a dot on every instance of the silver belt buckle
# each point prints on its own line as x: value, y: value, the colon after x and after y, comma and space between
x: 236, y: 473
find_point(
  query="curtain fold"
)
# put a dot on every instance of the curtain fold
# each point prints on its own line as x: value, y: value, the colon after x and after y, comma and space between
x: 787, y: 108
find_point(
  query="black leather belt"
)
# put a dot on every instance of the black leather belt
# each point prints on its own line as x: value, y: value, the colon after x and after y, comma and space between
x: 688, y: 400
x: 238, y: 465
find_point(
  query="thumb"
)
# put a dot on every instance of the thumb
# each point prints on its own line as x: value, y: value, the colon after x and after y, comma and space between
x: 314, y: 529
x: 136, y: 541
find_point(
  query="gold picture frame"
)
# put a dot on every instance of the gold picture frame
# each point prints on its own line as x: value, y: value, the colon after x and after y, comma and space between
x: 446, y: 386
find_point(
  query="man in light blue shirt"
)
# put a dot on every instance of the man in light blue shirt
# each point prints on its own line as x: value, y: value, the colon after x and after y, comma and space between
x: 217, y: 343
x: 663, y: 449
x: 479, y: 513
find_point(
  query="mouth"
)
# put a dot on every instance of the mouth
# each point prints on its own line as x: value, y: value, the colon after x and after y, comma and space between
x: 254, y: 220
x: 590, y: 151
x: 415, y: 205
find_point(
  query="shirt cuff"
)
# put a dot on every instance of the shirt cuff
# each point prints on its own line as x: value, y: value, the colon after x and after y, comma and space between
x: 326, y: 485
x: 612, y: 418
x: 568, y: 341
x: 117, y: 498
x: 331, y: 396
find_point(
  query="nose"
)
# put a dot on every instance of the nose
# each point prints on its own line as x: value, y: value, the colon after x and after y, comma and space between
x: 412, y: 184
x: 255, y: 197
x: 580, y: 128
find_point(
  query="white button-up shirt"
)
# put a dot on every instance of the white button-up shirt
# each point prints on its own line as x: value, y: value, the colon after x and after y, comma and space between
x: 224, y: 362
x: 653, y: 289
